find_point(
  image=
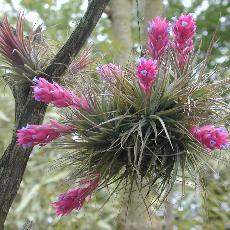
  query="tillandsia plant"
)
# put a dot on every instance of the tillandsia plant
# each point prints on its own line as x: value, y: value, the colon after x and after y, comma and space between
x: 23, y: 56
x: 149, y: 125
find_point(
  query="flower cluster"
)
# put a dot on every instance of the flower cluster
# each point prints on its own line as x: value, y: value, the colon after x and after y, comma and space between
x: 32, y: 135
x: 75, y: 199
x: 183, y: 30
x: 146, y: 73
x: 211, y: 137
x: 137, y: 120
x: 158, y: 37
x: 57, y: 95
x: 109, y: 71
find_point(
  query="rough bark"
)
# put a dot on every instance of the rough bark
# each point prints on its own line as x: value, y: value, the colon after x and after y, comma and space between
x: 14, y: 160
x: 121, y: 28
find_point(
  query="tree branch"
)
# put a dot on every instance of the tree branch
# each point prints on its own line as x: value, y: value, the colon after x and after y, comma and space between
x: 14, y: 160
x: 77, y: 38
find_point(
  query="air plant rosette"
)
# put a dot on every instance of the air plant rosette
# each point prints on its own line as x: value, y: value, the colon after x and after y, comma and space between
x: 150, y: 124
x: 23, y: 56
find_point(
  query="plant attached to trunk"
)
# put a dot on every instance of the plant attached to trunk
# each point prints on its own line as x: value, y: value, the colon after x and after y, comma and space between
x: 23, y: 56
x: 150, y: 124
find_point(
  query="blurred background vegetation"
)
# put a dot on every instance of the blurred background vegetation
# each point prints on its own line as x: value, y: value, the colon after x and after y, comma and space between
x: 116, y: 38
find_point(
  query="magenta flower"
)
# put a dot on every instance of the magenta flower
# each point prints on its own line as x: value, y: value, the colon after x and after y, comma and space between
x: 158, y: 37
x: 211, y: 137
x: 183, y: 30
x: 32, y: 135
x: 109, y: 71
x: 75, y: 199
x: 57, y: 95
x: 146, y: 73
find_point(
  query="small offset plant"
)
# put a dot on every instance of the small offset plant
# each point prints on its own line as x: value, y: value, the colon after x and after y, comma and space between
x: 23, y: 57
x: 146, y: 125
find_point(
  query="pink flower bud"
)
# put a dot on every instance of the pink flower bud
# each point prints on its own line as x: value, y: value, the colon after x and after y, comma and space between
x: 158, y: 37
x: 57, y: 95
x: 183, y: 30
x: 146, y: 73
x: 75, y: 199
x: 32, y: 135
x: 211, y: 137
x: 109, y: 71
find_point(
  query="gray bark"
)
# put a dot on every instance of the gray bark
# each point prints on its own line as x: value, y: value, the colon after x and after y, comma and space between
x: 150, y: 9
x: 14, y: 160
x: 136, y: 217
x: 121, y: 28
x: 169, y: 214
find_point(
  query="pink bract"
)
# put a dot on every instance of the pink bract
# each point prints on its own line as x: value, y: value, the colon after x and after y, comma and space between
x: 211, y: 137
x: 184, y: 30
x: 146, y: 73
x: 158, y: 37
x: 32, y: 135
x: 57, y: 95
x: 75, y: 199
x: 109, y: 71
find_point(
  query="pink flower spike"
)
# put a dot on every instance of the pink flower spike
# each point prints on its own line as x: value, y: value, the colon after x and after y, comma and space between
x: 158, y: 37
x: 146, y: 73
x: 75, y: 199
x: 183, y: 31
x: 109, y: 71
x: 211, y: 137
x: 57, y: 95
x: 32, y: 135
x: 184, y: 28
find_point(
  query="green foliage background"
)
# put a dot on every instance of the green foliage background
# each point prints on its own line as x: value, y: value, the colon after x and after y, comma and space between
x: 41, y: 184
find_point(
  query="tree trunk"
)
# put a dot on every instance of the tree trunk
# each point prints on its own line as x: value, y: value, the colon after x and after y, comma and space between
x: 169, y: 215
x: 14, y: 160
x: 121, y: 28
x: 150, y: 9
x: 136, y: 216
